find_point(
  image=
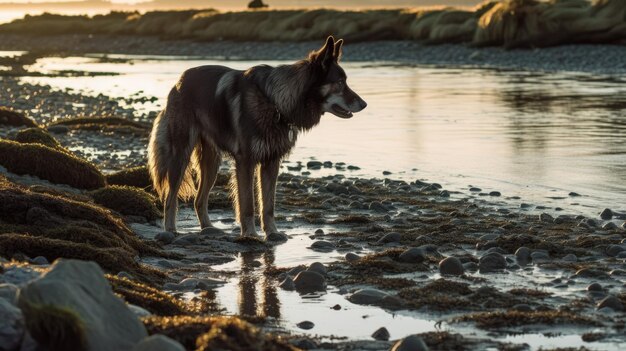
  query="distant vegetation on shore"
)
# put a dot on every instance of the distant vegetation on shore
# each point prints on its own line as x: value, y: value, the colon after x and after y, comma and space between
x: 508, y: 23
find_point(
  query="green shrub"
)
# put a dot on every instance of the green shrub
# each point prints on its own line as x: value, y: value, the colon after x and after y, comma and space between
x: 47, y: 163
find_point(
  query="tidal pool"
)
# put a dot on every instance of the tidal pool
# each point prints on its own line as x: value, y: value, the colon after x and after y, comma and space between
x: 537, y: 136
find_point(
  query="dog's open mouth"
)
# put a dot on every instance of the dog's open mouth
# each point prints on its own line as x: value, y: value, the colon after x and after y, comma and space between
x: 340, y: 111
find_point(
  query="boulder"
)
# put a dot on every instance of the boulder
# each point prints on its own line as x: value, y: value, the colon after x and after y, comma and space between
x: 76, y: 294
x: 11, y: 325
x: 158, y: 343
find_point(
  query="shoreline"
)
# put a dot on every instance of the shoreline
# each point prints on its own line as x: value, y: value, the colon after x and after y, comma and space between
x: 592, y: 59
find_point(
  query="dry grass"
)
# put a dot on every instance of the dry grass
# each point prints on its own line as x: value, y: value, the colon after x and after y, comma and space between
x: 510, y: 23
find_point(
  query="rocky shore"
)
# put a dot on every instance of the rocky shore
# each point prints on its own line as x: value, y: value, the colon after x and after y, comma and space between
x: 83, y: 252
x: 597, y: 59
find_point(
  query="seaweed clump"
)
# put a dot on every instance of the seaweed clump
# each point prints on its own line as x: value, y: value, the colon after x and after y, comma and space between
x: 37, y: 136
x: 215, y: 333
x: 127, y: 200
x: 501, y: 319
x: 54, y: 226
x: 138, y: 177
x: 13, y: 118
x: 113, y: 124
x: 47, y: 163
x: 150, y: 298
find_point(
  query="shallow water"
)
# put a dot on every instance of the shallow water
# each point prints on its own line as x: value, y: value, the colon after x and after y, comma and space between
x: 535, y: 135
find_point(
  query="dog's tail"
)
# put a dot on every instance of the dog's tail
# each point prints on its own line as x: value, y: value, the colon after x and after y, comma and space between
x: 162, y: 162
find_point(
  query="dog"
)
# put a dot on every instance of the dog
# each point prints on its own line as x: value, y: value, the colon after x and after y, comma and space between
x: 253, y: 116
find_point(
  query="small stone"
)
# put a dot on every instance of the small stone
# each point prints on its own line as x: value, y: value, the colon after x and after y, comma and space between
x: 306, y: 325
x: 307, y: 281
x: 544, y: 217
x: 189, y: 239
x: 523, y: 255
x: 412, y: 255
x: 495, y: 193
x: 410, y: 343
x: 451, y: 266
x: 377, y: 206
x: 211, y: 231
x: 606, y: 214
x: 470, y: 266
x: 390, y: 238
x: 165, y: 237
x: 352, y: 257
x: 40, y: 260
x: 381, y: 334
x: 538, y: 256
x: 367, y: 296
x: 287, y: 284
x: 594, y: 287
x: 609, y: 226
x: 569, y: 258
x: 491, y: 262
x: 337, y: 307
x: 612, y: 302
x: 574, y: 194
x: 319, y: 231
x: 275, y: 236
x: 323, y: 245
x: 522, y: 307
x: 614, y: 250
x: 317, y: 267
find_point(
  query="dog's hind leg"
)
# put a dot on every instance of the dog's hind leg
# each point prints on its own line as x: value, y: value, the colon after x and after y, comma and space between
x: 267, y: 192
x: 208, y: 162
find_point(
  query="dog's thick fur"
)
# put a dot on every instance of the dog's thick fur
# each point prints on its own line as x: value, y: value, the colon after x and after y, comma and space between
x: 254, y: 116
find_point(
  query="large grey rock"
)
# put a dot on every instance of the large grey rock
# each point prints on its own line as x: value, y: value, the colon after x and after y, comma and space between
x: 451, y: 266
x: 11, y: 325
x: 9, y: 292
x: 410, y: 343
x: 309, y: 281
x: 491, y: 262
x: 80, y: 287
x: 367, y: 296
x: 158, y: 343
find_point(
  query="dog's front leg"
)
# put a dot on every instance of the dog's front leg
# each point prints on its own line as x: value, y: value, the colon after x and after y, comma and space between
x: 268, y: 175
x: 245, y: 195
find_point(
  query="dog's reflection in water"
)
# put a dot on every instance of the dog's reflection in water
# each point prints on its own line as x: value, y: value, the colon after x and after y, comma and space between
x: 251, y: 301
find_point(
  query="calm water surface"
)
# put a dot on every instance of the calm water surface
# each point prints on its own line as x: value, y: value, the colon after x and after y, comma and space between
x: 539, y: 136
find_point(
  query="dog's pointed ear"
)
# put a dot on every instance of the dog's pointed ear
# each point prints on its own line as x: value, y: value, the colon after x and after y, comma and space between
x: 337, y: 53
x: 326, y: 55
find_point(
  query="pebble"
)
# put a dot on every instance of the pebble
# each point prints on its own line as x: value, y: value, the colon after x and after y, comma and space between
x: 189, y: 239
x: 367, y: 296
x: 410, y: 343
x: 412, y: 255
x: 609, y: 226
x: 377, y: 206
x: 538, y: 256
x: 594, y: 287
x: 306, y: 325
x: 319, y: 232
x: 614, y: 250
x: 165, y: 237
x: 569, y: 258
x: 323, y: 245
x: 451, y: 266
x: 544, y: 217
x: 212, y: 231
x: 470, y: 266
x: 318, y: 268
x: 40, y: 260
x: 58, y: 129
x: 287, y: 284
x: 606, y: 214
x: 307, y: 281
x: 390, y: 238
x: 381, y: 334
x: 522, y: 307
x: 523, y: 254
x: 611, y: 302
x: 495, y: 193
x: 491, y: 262
x: 352, y: 257
x: 337, y: 307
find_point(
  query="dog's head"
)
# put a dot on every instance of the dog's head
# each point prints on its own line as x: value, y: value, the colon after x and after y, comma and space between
x: 337, y: 97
